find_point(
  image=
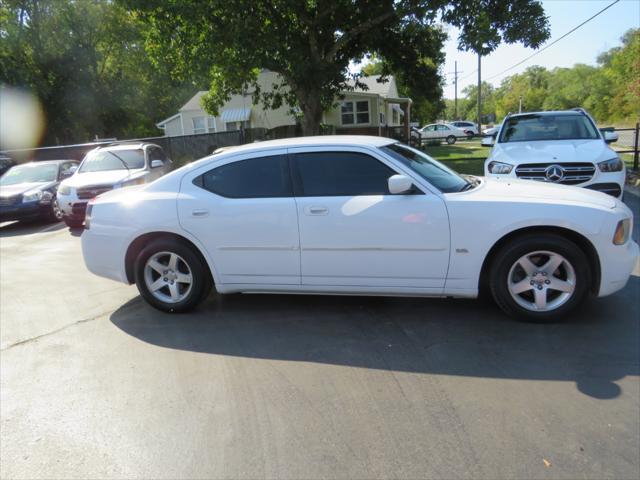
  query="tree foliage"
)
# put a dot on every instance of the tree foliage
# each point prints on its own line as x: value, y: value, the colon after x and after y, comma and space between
x: 311, y: 43
x: 610, y: 91
x: 86, y: 63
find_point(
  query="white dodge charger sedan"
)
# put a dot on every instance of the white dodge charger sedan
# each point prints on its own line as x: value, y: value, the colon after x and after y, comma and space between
x: 358, y: 216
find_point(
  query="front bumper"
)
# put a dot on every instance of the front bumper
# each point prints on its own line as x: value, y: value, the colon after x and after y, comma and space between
x: 611, y: 183
x: 618, y: 262
x: 24, y: 211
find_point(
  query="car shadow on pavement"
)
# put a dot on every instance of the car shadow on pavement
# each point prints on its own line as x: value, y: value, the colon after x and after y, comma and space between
x: 594, y: 348
x: 15, y: 229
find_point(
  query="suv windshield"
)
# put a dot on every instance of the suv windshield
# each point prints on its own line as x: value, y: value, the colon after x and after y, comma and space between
x: 30, y: 174
x: 113, y: 160
x: 534, y: 127
x: 441, y: 177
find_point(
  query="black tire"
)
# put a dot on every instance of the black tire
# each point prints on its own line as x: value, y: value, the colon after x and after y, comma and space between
x: 201, y: 275
x: 72, y: 223
x: 451, y: 140
x: 54, y: 214
x: 520, y: 246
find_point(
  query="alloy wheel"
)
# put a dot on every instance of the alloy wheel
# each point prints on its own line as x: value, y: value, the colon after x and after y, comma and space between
x: 541, y: 281
x: 168, y: 277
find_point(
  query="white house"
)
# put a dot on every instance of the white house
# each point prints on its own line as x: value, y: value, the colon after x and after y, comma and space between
x: 361, y: 111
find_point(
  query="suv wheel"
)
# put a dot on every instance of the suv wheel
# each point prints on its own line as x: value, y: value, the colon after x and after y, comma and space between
x: 540, y: 278
x: 171, y: 276
x: 451, y: 139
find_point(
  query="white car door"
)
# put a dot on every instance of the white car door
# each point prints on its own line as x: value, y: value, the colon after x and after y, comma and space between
x: 429, y: 131
x: 354, y: 233
x: 244, y: 213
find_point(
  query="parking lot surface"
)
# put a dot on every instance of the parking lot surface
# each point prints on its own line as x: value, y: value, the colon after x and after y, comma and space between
x: 96, y: 384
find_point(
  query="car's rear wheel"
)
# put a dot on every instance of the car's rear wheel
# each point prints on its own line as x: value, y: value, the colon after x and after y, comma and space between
x: 171, y: 276
x: 540, y: 278
x: 451, y: 139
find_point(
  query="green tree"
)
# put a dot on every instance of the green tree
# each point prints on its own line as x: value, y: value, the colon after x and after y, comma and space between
x: 86, y: 63
x: 311, y: 43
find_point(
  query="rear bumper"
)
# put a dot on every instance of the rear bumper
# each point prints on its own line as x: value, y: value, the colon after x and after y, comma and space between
x: 104, y: 255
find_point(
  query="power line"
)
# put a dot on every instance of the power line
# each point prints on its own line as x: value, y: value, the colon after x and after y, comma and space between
x: 545, y: 47
x: 555, y: 41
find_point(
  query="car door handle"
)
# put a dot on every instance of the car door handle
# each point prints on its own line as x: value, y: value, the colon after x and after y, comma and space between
x: 316, y: 210
x: 200, y: 212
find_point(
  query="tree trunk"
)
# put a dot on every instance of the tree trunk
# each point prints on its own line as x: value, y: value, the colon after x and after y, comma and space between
x: 311, y: 113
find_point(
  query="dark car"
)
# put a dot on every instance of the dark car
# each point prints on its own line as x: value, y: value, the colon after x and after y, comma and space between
x: 28, y: 191
x: 5, y: 164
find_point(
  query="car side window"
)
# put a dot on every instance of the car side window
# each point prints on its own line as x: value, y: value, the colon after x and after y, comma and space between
x: 263, y: 177
x: 443, y: 127
x: 326, y: 174
x: 431, y: 128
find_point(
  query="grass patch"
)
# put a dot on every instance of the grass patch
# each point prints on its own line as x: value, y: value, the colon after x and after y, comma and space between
x: 463, y: 156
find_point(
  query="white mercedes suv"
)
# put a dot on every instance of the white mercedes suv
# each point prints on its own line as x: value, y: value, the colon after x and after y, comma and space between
x: 106, y: 168
x: 562, y: 147
x: 360, y: 216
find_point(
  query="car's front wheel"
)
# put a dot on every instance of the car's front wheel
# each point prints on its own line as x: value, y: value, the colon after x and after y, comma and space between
x: 171, y: 276
x: 451, y: 139
x: 540, y: 278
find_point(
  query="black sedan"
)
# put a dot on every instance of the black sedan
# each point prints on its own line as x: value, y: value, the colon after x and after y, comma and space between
x: 28, y: 191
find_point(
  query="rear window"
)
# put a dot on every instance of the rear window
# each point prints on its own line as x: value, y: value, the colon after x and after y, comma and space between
x: 534, y: 127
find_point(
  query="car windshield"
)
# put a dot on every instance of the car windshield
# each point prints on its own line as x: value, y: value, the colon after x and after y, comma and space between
x: 441, y: 177
x: 32, y: 173
x: 113, y: 160
x: 535, y: 127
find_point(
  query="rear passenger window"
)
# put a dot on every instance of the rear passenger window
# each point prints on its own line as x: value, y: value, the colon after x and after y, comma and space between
x: 262, y: 177
x: 324, y: 174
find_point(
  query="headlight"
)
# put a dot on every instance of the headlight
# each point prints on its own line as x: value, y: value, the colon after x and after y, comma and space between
x: 500, y: 168
x: 64, y: 190
x: 612, y: 165
x: 622, y: 232
x: 32, y: 196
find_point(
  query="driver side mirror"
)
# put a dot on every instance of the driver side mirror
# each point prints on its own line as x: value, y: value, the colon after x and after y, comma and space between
x: 157, y: 163
x: 400, y: 184
x: 609, y: 136
x: 487, y: 141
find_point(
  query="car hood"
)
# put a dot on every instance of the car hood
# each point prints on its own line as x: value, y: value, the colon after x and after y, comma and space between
x: 552, y: 151
x: 20, y: 188
x: 530, y: 191
x: 108, y: 177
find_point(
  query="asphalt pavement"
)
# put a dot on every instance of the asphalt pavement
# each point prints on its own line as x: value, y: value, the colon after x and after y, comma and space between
x: 96, y: 384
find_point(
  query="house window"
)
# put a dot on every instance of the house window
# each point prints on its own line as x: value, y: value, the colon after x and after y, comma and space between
x: 230, y: 126
x: 198, y: 125
x: 382, y: 122
x: 211, y: 123
x: 395, y: 116
x: 355, y: 113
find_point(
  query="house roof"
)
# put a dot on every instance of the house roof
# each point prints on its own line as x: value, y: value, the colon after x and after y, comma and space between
x: 386, y: 89
x: 194, y: 102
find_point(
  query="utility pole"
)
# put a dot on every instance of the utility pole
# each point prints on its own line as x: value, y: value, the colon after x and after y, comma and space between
x: 456, y: 73
x: 520, y: 105
x: 479, y: 96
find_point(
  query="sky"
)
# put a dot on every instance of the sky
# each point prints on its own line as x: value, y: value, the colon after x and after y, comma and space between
x: 582, y: 46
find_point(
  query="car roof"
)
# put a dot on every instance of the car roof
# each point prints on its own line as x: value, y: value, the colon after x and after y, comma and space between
x: 128, y: 146
x: 317, y: 141
x: 548, y: 112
